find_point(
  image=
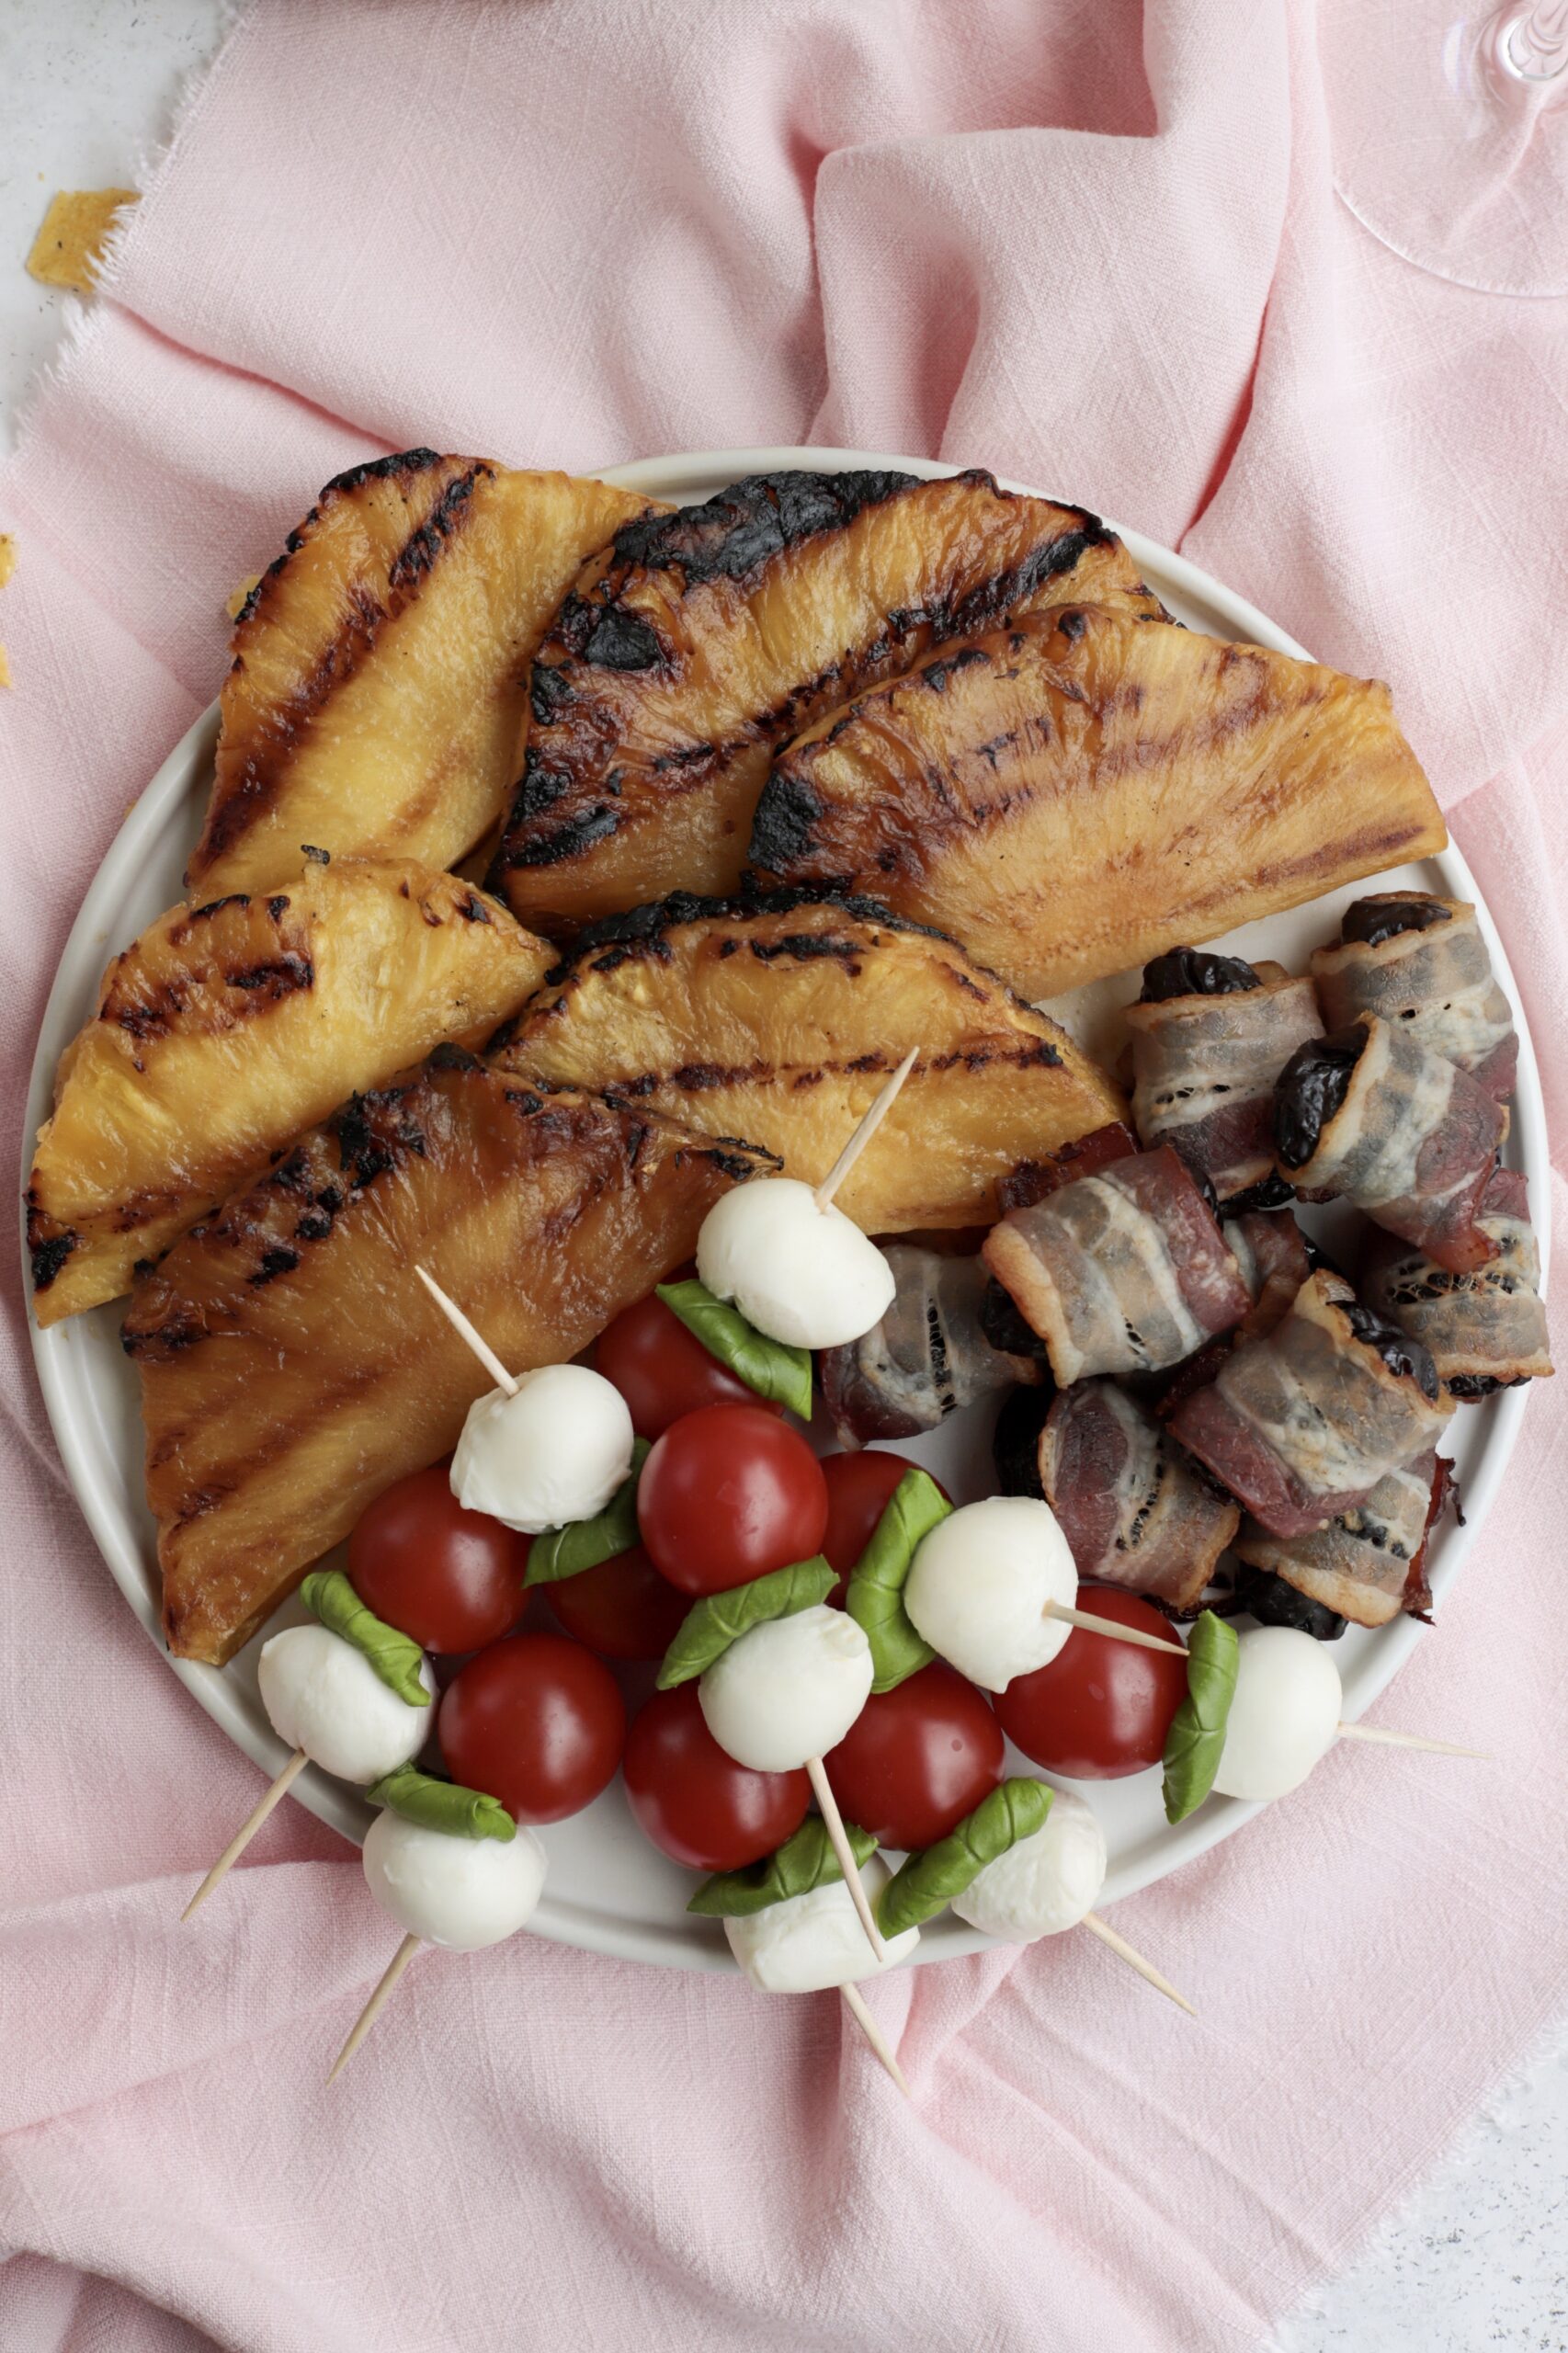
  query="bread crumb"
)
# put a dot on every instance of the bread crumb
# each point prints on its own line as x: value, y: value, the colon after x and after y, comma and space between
x: 238, y: 601
x: 75, y: 229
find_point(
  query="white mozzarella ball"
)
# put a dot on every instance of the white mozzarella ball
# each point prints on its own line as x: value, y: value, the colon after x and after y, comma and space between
x: 789, y: 1690
x: 1043, y: 1884
x: 1285, y: 1714
x: 803, y: 1275
x: 324, y: 1695
x: 556, y: 1451
x: 980, y: 1586
x: 811, y: 1942
x: 460, y: 1893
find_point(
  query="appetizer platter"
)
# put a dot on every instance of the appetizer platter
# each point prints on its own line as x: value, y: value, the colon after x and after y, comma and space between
x: 874, y: 1097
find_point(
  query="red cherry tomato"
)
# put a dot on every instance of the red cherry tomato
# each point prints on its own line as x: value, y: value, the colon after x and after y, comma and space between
x: 917, y: 1758
x: 623, y: 1609
x: 728, y: 1493
x: 451, y: 1580
x: 860, y: 1487
x: 537, y: 1722
x: 1102, y: 1707
x: 696, y: 1803
x: 663, y: 1370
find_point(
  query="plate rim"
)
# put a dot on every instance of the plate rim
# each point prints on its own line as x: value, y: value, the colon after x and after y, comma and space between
x: 559, y: 1920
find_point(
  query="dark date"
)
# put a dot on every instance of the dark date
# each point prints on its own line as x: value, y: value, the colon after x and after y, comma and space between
x: 1311, y: 1089
x: 1406, y: 1358
x: 1015, y: 1442
x: 1273, y: 1601
x: 1193, y: 971
x: 1372, y: 921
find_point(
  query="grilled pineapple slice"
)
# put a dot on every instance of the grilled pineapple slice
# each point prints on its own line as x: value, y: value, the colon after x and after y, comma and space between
x: 292, y: 1367
x: 779, y: 1018
x: 1078, y: 792
x: 375, y: 699
x: 227, y: 1029
x: 698, y: 642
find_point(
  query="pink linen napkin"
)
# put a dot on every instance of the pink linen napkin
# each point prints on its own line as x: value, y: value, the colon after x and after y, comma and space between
x: 1096, y: 252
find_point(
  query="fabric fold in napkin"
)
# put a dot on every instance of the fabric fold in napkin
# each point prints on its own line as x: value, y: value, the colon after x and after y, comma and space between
x: 1093, y: 249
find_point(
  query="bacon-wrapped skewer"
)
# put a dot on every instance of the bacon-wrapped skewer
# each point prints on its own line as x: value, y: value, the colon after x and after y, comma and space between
x: 1371, y: 1114
x: 1123, y: 1271
x: 1369, y: 1562
x: 1133, y: 1508
x: 1422, y: 963
x: 1302, y: 1425
x: 950, y: 1336
x: 1210, y: 1034
x: 1485, y: 1330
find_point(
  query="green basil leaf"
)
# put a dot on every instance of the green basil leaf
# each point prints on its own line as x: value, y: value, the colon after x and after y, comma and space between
x: 328, y: 1594
x: 442, y: 1805
x: 875, y: 1582
x: 710, y: 1626
x: 804, y: 1861
x: 770, y: 1366
x: 1198, y: 1729
x: 1012, y: 1811
x: 583, y: 1543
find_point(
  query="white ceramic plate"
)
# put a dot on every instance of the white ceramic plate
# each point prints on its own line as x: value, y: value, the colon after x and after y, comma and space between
x: 608, y: 1890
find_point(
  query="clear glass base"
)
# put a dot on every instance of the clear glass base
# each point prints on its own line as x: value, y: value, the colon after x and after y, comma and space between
x: 1451, y: 135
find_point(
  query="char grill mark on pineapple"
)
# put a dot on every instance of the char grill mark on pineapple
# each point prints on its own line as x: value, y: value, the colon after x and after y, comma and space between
x: 700, y: 640
x: 291, y: 1368
x: 265, y: 768
x: 1091, y: 788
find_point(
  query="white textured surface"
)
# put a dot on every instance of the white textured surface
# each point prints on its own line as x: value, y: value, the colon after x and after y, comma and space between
x: 1477, y: 2259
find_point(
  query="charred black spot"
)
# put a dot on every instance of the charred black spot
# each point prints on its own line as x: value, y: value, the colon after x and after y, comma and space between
x: 738, y: 1165
x: 567, y: 841
x: 448, y: 1056
x: 291, y: 1172
x: 276, y: 907
x: 422, y: 551
x: 314, y: 1226
x: 741, y: 528
x: 524, y: 1099
x: 549, y: 688
x: 1310, y: 1090
x: 276, y: 1259
x: 216, y: 906
x: 805, y: 945
x: 641, y: 927
x: 696, y: 1077
x: 621, y: 641
x: 330, y: 1199
x: 141, y: 1021
x: 1195, y: 971
x: 317, y: 857
x: 781, y: 829
x: 402, y: 464
x: 637, y: 1136
x: 473, y: 909
x: 165, y: 1340
x: 936, y: 673
x: 281, y: 978
x: 1071, y: 624
x: 49, y: 1256
x: 1372, y: 921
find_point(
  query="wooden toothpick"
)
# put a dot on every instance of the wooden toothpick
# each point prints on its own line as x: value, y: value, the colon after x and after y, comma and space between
x: 247, y: 1832
x: 865, y: 1131
x: 461, y: 1325
x: 1411, y: 1740
x: 1135, y: 1960
x: 377, y: 2003
x: 833, y: 1822
x: 856, y: 2002
x: 1111, y: 1626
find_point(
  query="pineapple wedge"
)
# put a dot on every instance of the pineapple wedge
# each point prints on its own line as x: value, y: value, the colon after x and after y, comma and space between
x: 1075, y: 794
x: 227, y: 1029
x: 697, y: 643
x: 778, y: 1019
x: 375, y: 697
x: 292, y: 1366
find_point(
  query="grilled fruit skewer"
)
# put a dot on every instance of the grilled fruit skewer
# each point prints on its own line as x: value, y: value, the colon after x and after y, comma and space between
x: 779, y: 1018
x: 701, y: 640
x: 376, y: 695
x: 290, y: 1366
x: 1079, y: 793
x: 225, y: 1029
